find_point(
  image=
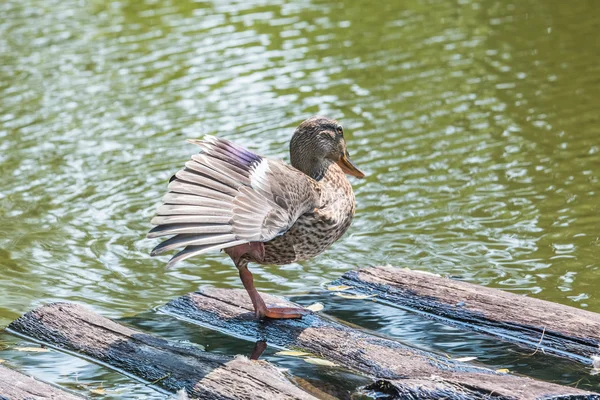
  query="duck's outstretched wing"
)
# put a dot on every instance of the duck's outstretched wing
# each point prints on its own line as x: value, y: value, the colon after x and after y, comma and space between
x: 227, y: 196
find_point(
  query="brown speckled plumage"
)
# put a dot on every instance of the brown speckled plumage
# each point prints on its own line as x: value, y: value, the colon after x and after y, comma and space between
x: 318, y: 229
x: 258, y: 209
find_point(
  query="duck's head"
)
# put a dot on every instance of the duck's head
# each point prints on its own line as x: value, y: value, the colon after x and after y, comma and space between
x: 317, y: 142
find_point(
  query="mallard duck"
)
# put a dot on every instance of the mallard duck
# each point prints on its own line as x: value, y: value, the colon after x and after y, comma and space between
x: 258, y: 209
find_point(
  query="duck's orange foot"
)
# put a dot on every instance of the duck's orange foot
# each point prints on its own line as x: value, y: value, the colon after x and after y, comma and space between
x: 276, y: 312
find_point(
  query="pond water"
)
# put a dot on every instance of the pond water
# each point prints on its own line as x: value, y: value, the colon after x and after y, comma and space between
x: 476, y: 122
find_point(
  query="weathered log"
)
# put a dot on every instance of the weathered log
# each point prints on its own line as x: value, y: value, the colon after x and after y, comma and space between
x: 554, y: 328
x: 410, y: 372
x: 17, y: 386
x: 171, y: 366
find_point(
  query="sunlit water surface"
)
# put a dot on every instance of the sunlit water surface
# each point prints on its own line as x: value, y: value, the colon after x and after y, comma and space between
x: 476, y: 121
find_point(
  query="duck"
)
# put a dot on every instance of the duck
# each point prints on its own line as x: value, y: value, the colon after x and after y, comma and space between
x: 260, y: 210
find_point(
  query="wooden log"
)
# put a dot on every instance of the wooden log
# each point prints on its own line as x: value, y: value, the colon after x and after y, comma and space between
x: 17, y: 386
x: 410, y: 372
x: 168, y: 365
x: 554, y: 328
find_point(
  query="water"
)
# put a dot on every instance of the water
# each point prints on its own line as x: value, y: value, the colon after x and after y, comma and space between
x: 476, y: 123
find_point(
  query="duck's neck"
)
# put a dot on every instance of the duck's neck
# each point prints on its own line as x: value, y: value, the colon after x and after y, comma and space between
x: 314, y: 168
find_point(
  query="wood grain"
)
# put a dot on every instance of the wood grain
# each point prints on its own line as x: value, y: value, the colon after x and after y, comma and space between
x: 405, y: 370
x: 557, y: 329
x: 171, y: 366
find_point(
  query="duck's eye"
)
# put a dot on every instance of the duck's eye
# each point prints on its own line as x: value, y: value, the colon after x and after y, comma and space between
x: 340, y: 131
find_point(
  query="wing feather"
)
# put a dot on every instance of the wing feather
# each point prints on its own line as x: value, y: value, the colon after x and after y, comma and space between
x: 191, y: 251
x: 178, y: 186
x: 176, y: 209
x: 227, y: 196
x: 174, y: 229
x: 182, y: 240
x: 192, y: 200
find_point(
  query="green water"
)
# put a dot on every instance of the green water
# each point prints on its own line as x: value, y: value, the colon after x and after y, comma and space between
x: 476, y: 121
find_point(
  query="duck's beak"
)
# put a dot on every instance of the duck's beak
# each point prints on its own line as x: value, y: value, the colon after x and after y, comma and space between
x: 348, y: 166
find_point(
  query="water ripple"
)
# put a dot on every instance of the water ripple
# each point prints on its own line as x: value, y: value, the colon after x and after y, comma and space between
x: 476, y: 124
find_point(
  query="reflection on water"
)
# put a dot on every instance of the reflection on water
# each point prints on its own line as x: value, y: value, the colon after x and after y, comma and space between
x: 476, y: 122
x: 419, y: 332
x: 74, y: 373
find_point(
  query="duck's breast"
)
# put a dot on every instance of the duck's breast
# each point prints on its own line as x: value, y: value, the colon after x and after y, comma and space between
x: 315, y: 231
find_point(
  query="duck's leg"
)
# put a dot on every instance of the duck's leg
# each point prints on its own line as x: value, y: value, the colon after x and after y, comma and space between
x: 260, y: 308
x: 257, y: 251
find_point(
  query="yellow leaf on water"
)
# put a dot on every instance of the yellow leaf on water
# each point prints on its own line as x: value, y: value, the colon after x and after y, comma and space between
x: 292, y: 353
x: 1, y: 361
x: 355, y: 296
x: 338, y: 288
x: 503, y: 370
x: 320, y: 361
x: 98, y: 391
x: 32, y: 349
x: 465, y: 359
x: 315, y: 307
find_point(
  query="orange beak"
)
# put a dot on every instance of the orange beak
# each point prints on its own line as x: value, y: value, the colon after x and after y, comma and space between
x: 348, y: 166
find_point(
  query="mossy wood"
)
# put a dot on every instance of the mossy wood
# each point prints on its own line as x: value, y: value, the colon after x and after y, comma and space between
x: 17, y: 386
x: 554, y: 328
x: 403, y: 371
x: 171, y: 366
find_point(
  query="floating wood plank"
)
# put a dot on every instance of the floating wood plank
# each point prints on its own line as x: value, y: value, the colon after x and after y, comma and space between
x: 408, y: 371
x: 171, y: 366
x: 554, y: 328
x: 17, y: 386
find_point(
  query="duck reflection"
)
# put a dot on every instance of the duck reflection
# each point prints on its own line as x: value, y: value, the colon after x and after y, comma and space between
x: 259, y: 348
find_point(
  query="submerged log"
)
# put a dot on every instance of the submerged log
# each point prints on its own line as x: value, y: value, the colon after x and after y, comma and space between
x: 554, y: 328
x: 171, y: 366
x: 17, y: 386
x: 407, y: 371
